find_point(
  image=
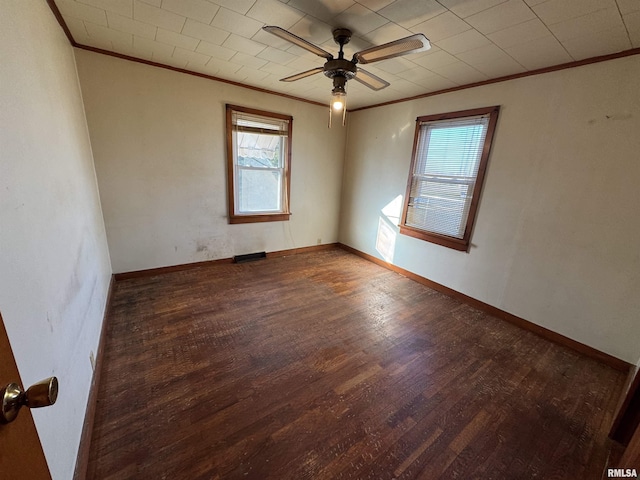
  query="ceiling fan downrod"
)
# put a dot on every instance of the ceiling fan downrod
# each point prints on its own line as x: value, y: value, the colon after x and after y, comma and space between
x: 339, y: 67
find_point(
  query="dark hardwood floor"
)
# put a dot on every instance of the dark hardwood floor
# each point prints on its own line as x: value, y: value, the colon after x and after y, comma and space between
x: 326, y: 366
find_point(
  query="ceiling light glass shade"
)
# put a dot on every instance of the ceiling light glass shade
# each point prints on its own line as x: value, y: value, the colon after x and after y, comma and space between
x: 337, y: 101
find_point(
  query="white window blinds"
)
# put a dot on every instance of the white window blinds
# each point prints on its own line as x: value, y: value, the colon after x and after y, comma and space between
x: 444, y: 176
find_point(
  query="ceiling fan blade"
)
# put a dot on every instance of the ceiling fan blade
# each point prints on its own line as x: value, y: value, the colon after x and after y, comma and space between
x: 411, y: 44
x: 370, y: 80
x: 296, y: 40
x: 301, y: 75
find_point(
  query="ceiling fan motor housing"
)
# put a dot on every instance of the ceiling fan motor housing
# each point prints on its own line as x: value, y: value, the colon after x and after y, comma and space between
x: 340, y: 67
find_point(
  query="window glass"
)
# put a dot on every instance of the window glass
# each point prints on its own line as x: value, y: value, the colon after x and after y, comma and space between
x: 447, y: 169
x: 258, y: 165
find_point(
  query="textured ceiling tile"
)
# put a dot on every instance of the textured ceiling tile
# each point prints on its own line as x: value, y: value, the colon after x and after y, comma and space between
x: 215, y: 51
x: 151, y: 47
x: 128, y: 25
x: 484, y: 54
x: 248, y: 60
x: 501, y: 16
x: 303, y: 64
x: 360, y: 19
x: 375, y: 5
x: 244, y: 45
x: 386, y: 33
x: 408, y: 13
x: 408, y: 88
x: 199, y: 10
x: 277, y: 69
x: 628, y: 6
x: 463, y: 42
x: 436, y: 82
x: 77, y: 29
x: 203, y: 31
x: 418, y: 75
x: 606, y: 19
x: 175, y: 62
x: 322, y: 9
x: 539, y: 53
x: 500, y: 68
x: 188, y: 33
x: 278, y: 56
x: 121, y: 7
x: 251, y: 75
x: 598, y: 43
x: 436, y: 59
x: 394, y: 65
x: 489, y: 59
x: 441, y: 27
x: 84, y: 12
x: 190, y: 56
x: 460, y: 73
x: 464, y: 8
x: 632, y: 22
x: 176, y: 39
x: 521, y: 33
x: 313, y: 30
x: 240, y: 6
x: 104, y: 34
x: 554, y: 11
x: 272, y: 12
x: 223, y: 67
x: 231, y: 21
x: 157, y: 16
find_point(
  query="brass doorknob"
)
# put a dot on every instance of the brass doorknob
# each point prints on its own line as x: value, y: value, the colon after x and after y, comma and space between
x: 41, y: 394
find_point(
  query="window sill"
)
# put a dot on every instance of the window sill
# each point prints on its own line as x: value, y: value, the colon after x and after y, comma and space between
x: 443, y: 240
x: 265, y: 217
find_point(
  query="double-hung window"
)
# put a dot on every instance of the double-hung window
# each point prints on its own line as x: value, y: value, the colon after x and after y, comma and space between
x: 450, y: 155
x: 258, y: 165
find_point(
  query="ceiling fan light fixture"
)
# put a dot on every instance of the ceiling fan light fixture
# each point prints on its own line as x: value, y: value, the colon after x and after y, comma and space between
x: 338, y: 101
x: 341, y: 69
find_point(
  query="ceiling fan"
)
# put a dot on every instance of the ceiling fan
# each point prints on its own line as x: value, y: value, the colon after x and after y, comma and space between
x: 341, y: 69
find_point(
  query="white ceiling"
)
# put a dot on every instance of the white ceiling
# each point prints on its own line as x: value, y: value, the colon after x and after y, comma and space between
x: 472, y: 40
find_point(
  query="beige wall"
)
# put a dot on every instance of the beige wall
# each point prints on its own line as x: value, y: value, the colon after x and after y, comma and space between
x: 556, y: 237
x: 54, y: 263
x: 158, y: 139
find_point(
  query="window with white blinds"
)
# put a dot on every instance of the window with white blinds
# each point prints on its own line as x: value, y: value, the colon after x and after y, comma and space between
x: 447, y: 169
x: 258, y: 152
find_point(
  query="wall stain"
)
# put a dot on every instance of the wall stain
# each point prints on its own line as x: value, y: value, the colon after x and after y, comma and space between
x: 613, y: 116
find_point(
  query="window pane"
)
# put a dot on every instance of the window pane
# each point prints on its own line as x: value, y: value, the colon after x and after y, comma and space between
x: 451, y: 150
x: 446, y: 167
x: 259, y: 190
x: 255, y: 150
x: 439, y: 207
x: 258, y: 165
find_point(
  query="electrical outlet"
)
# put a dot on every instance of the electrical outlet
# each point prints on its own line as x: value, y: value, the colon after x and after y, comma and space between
x: 319, y: 241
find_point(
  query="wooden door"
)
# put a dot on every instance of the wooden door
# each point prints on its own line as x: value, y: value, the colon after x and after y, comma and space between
x: 21, y: 453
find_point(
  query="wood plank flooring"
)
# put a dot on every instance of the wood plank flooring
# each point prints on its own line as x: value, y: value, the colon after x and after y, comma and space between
x: 326, y: 366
